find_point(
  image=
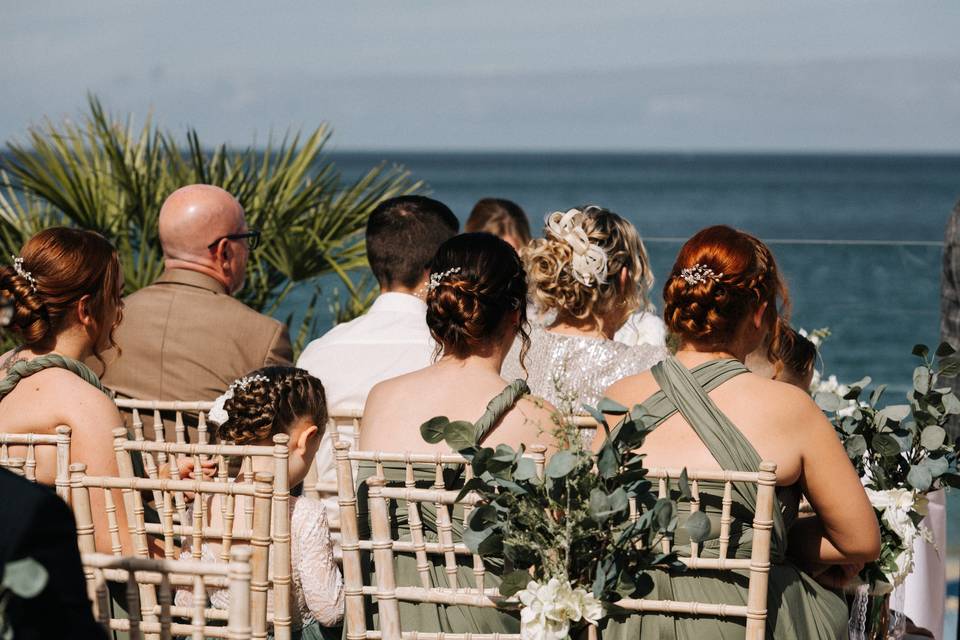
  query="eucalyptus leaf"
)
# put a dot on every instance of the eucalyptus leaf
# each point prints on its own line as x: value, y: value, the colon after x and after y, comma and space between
x: 877, y: 394
x: 937, y: 465
x: 483, y: 517
x: 526, y: 470
x: 919, y: 477
x: 664, y: 511
x: 932, y: 437
x: 460, y: 435
x: 920, y: 350
x: 951, y: 368
x: 855, y: 446
x: 945, y: 349
x: 828, y: 401
x: 514, y: 582
x: 885, y: 445
x: 608, y: 406
x: 951, y: 404
x: 619, y: 500
x: 684, y: 484
x: 896, y: 412
x: 561, y: 463
x: 921, y: 379
x: 698, y: 526
x: 597, y: 415
x: 608, y: 463
x: 600, y: 508
x: 432, y: 429
x: 26, y: 577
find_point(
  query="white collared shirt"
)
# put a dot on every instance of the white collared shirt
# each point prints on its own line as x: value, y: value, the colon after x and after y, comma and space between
x: 391, y: 339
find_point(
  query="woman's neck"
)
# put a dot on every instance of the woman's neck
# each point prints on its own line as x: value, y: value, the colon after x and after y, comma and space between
x: 492, y: 362
x: 67, y: 344
x: 697, y: 354
x: 588, y: 327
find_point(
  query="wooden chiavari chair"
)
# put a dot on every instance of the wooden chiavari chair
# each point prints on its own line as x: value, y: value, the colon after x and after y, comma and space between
x: 162, y: 408
x: 758, y: 564
x: 353, y: 547
x: 165, y: 575
x: 259, y: 494
x: 343, y: 425
x: 29, y: 442
x: 176, y: 520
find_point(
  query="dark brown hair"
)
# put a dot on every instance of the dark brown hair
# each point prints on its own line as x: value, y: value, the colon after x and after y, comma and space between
x: 260, y: 409
x: 796, y: 354
x: 402, y: 235
x: 66, y: 265
x: 501, y: 218
x: 477, y: 281
x: 709, y: 312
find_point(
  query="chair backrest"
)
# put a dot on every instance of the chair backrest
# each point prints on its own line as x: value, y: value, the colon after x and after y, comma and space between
x: 167, y: 574
x: 758, y: 565
x: 172, y: 506
x: 383, y: 547
x: 163, y: 408
x: 343, y: 425
x: 259, y: 493
x: 30, y: 442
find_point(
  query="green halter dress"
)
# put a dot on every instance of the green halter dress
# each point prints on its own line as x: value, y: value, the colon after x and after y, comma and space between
x: 431, y: 617
x: 26, y: 368
x: 797, y: 606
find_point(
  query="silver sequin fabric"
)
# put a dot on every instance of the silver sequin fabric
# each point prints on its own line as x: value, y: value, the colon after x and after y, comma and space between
x: 569, y: 371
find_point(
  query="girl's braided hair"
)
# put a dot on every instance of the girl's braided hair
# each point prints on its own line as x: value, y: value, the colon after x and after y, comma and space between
x: 269, y: 401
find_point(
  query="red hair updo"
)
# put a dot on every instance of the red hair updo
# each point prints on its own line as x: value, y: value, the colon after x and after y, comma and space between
x: 737, y: 274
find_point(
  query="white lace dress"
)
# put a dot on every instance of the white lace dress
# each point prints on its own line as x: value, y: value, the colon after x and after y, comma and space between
x: 317, y: 582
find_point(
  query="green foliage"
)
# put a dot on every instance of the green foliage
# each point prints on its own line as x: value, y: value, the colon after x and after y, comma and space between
x: 901, y: 446
x: 24, y: 578
x: 576, y: 520
x: 104, y: 174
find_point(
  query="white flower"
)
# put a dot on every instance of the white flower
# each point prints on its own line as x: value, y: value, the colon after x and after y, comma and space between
x: 896, y: 505
x: 549, y: 609
x: 217, y: 413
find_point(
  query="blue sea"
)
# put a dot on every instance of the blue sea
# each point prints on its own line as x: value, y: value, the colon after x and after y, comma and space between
x: 858, y: 237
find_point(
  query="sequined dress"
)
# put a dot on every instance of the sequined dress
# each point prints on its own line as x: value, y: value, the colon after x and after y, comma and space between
x: 570, y: 371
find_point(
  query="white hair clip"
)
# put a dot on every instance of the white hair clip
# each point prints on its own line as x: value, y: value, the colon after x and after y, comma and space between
x: 699, y: 273
x: 23, y: 273
x: 589, y: 260
x: 436, y: 278
x: 217, y: 412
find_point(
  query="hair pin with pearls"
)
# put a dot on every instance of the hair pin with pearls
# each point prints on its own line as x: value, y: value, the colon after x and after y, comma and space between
x: 217, y: 412
x: 437, y: 278
x: 23, y: 273
x: 699, y: 273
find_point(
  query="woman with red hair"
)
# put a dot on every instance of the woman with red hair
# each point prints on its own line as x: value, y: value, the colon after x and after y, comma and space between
x: 721, y: 301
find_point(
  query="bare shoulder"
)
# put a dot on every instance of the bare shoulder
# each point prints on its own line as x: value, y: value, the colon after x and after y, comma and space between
x: 535, y: 409
x: 632, y: 389
x: 74, y: 401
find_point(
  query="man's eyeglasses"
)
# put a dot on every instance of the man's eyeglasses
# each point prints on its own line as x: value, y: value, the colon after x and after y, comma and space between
x: 253, y: 239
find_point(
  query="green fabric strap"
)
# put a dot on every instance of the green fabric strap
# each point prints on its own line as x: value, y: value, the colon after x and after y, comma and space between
x: 686, y: 391
x: 498, y: 406
x: 26, y: 368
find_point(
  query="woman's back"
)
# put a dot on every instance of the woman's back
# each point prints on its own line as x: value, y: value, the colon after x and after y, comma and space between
x: 396, y: 408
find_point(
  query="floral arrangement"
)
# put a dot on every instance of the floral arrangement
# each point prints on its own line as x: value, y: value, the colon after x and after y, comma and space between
x: 900, y: 451
x: 581, y: 537
x: 24, y: 578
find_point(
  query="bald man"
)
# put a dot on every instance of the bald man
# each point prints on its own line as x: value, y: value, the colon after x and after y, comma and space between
x: 185, y: 337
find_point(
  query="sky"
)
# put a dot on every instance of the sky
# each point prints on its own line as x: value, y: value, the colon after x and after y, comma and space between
x: 541, y: 75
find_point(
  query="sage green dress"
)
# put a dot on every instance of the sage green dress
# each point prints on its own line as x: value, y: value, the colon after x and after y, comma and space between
x: 432, y: 617
x: 797, y: 606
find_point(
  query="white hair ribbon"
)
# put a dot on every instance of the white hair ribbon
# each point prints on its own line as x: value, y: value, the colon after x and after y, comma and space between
x: 589, y: 260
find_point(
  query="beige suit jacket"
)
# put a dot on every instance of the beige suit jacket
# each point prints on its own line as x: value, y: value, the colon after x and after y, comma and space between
x: 185, y: 338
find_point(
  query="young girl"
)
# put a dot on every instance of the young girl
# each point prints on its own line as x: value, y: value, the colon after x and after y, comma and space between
x: 256, y: 407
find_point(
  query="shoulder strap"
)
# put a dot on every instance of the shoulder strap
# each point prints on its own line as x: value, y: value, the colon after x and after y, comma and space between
x: 498, y: 406
x: 26, y: 368
x: 683, y: 389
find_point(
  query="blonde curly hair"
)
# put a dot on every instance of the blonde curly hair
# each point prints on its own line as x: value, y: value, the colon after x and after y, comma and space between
x: 554, y: 285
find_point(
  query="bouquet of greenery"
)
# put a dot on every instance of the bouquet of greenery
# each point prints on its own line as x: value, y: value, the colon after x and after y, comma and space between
x: 902, y: 453
x: 580, y: 537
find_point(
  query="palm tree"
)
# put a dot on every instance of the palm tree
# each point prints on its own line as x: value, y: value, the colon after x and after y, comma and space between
x: 103, y: 174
